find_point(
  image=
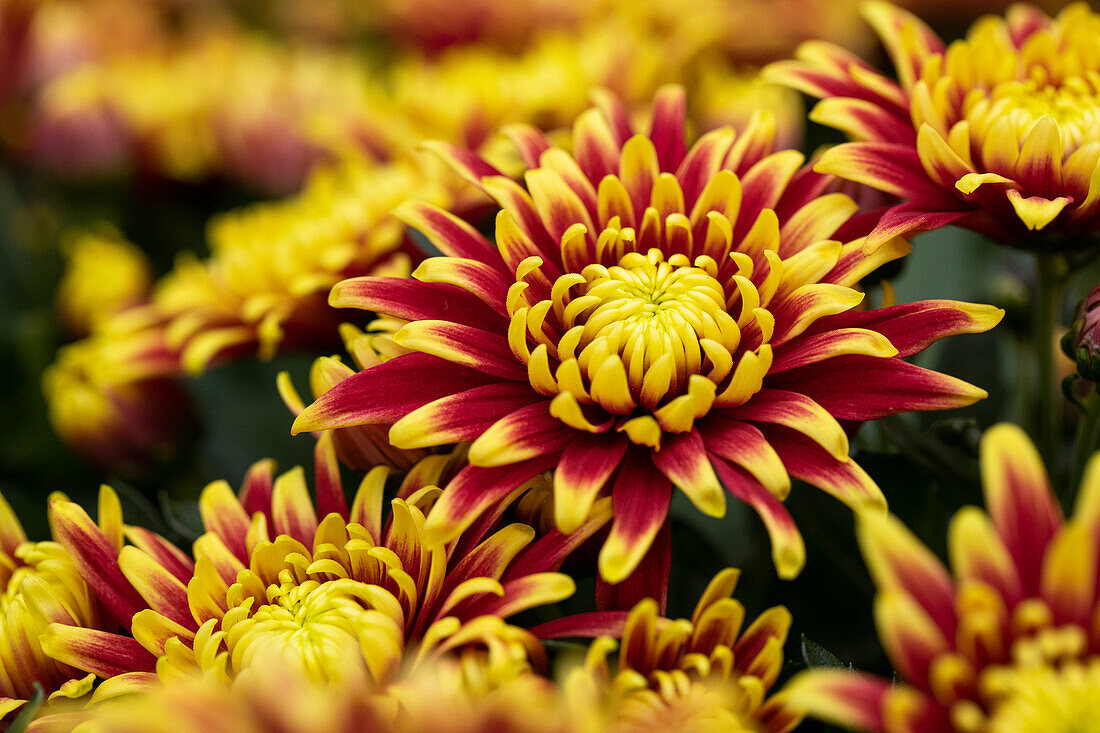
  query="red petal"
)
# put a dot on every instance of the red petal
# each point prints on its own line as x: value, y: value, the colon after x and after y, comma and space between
x: 860, y: 388
x: 586, y: 625
x: 667, y: 131
x: 412, y: 300
x: 387, y: 392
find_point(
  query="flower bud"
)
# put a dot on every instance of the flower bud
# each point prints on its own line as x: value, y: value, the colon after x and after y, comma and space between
x: 1082, y: 342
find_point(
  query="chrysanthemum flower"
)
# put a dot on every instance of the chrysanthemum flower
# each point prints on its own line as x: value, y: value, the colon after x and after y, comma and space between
x: 703, y: 674
x: 263, y: 288
x: 270, y: 575
x: 996, y: 132
x: 1006, y: 641
x: 113, y: 397
x: 649, y: 316
x: 445, y: 697
x: 104, y: 275
x: 40, y: 584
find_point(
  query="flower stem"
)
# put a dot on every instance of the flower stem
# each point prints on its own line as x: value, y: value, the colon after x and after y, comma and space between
x: 1050, y: 274
x: 1088, y: 434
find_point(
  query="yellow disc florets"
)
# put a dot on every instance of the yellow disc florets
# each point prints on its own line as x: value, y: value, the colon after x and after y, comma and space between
x: 1049, y: 683
x: 1004, y: 87
x: 662, y: 318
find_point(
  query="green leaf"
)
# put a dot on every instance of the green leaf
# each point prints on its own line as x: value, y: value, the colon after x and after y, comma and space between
x: 26, y: 715
x: 816, y: 655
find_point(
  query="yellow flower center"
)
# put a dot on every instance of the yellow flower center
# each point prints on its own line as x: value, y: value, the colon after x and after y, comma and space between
x: 1050, y: 686
x: 314, y: 624
x: 665, y: 320
x: 1049, y: 700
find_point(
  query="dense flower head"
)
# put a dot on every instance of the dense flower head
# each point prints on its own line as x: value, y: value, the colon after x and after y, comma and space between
x: 40, y: 584
x: 1007, y: 641
x: 709, y: 673
x: 263, y: 286
x: 277, y: 573
x: 113, y: 397
x: 996, y: 132
x: 649, y: 315
x: 271, y: 113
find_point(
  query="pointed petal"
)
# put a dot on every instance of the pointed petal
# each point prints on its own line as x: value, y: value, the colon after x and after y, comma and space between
x: 683, y: 460
x: 99, y: 652
x: 743, y: 445
x: 164, y: 592
x: 899, y: 561
x: 809, y: 462
x: 527, y: 432
x: 95, y: 558
x: 463, y: 416
x: 797, y: 412
x: 413, y: 300
x: 850, y: 699
x: 387, y: 392
x: 640, y: 500
x: 1019, y: 499
x: 448, y: 233
x: 585, y: 625
x: 886, y: 386
x: 472, y: 491
x: 788, y: 548
x: 458, y: 344
x: 913, y: 327
x: 585, y: 466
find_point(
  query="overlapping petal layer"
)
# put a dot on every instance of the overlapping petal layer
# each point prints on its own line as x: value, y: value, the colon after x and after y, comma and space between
x: 1006, y: 639
x: 997, y: 132
x: 314, y: 581
x: 709, y: 673
x: 649, y: 316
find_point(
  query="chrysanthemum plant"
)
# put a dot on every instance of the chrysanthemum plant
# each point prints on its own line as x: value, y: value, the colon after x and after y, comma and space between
x: 648, y: 316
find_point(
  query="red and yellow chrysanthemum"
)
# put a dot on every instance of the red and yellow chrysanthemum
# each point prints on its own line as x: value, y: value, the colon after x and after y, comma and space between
x: 703, y: 674
x: 449, y: 696
x: 40, y: 585
x: 996, y: 132
x: 648, y: 316
x: 271, y: 576
x: 1006, y: 641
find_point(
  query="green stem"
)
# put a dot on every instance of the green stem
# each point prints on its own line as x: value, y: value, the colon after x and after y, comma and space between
x: 1088, y: 434
x: 1047, y: 318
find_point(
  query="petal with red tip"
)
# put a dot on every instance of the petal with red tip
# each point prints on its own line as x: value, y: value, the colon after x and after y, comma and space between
x: 667, y: 130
